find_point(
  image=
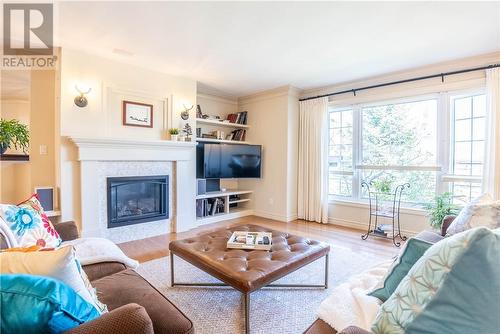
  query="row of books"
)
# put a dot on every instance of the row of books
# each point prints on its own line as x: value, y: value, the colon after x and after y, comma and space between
x: 239, y: 118
x: 238, y: 135
x: 209, y: 207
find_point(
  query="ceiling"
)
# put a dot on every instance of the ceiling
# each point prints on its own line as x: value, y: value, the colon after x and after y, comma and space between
x: 244, y: 47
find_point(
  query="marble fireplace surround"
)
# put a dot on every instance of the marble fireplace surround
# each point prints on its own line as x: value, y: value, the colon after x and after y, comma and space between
x: 101, y: 158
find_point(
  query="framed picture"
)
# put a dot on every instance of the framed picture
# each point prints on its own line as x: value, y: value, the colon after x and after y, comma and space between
x: 137, y: 114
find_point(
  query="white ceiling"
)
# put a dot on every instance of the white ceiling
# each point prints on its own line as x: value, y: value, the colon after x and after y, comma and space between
x: 244, y: 47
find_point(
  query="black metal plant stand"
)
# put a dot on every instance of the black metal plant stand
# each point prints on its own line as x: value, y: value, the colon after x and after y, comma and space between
x: 393, y: 213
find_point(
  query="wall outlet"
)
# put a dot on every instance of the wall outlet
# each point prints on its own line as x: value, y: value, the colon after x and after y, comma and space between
x: 271, y: 201
x: 43, y: 149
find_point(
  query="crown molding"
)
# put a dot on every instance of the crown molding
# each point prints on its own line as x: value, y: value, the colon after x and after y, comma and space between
x: 232, y: 101
x: 270, y: 94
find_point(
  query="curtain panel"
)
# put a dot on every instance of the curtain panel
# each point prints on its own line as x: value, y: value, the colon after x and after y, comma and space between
x: 491, y: 183
x: 313, y: 160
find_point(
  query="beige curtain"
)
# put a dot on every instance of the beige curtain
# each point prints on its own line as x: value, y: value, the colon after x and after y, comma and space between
x: 313, y: 160
x: 491, y: 183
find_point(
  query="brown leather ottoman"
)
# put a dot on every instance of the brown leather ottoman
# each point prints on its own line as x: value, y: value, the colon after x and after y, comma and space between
x: 248, y: 270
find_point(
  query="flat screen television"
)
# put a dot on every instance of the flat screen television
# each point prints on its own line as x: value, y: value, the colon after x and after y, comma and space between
x: 223, y: 161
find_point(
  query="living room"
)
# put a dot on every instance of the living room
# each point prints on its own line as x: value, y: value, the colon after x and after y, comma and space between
x: 215, y: 167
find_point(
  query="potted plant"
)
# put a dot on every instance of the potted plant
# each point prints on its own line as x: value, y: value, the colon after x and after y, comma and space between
x: 13, y: 134
x: 441, y: 208
x: 174, y: 134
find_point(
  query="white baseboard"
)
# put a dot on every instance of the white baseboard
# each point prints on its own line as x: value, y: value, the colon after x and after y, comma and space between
x: 270, y: 215
x: 363, y: 226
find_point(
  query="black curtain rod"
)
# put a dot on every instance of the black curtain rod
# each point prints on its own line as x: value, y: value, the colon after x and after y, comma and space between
x: 440, y: 75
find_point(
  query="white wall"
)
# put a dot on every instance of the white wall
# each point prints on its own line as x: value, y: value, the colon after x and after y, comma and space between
x: 355, y: 214
x: 112, y: 82
x: 273, y: 117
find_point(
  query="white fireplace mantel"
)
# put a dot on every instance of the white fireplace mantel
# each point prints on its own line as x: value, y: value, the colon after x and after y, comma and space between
x: 113, y: 149
x: 93, y: 152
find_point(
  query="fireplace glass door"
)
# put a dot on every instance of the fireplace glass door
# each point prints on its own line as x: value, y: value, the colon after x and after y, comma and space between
x: 133, y: 200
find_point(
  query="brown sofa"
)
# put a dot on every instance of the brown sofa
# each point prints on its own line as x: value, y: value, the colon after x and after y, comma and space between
x: 321, y: 327
x: 135, y: 306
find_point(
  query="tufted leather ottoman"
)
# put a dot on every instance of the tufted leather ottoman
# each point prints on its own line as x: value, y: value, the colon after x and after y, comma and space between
x: 248, y: 270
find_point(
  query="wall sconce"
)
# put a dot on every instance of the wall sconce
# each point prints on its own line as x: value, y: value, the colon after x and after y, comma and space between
x: 80, y: 100
x: 185, y: 113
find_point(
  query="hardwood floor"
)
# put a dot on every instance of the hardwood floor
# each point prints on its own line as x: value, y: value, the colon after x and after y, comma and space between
x: 156, y: 247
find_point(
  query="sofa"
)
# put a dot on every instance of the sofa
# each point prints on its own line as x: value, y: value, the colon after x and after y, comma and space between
x: 135, y: 306
x: 321, y: 327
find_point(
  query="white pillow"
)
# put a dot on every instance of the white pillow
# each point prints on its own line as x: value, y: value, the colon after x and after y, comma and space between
x: 482, y: 211
x: 60, y: 264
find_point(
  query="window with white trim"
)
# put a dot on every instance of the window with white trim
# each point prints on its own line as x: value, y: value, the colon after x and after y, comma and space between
x: 434, y: 142
x: 467, y: 138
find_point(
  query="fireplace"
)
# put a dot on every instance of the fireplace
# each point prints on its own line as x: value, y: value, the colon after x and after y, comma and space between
x: 137, y: 199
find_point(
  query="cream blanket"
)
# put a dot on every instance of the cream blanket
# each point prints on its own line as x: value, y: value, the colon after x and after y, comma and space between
x: 95, y: 250
x: 349, y: 304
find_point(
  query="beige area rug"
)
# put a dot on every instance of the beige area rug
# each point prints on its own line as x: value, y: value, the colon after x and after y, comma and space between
x: 219, y: 310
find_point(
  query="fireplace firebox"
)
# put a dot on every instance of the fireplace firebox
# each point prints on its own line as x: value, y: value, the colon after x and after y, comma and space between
x: 137, y: 199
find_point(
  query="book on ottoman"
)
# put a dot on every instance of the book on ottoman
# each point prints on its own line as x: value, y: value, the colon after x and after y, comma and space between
x: 250, y: 240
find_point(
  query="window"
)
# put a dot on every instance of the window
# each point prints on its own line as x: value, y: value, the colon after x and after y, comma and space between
x: 394, y: 142
x: 468, y: 128
x: 340, y: 152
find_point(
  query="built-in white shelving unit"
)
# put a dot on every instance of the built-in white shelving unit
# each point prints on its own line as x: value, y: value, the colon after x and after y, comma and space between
x: 222, y: 141
x: 221, y: 123
x: 229, y: 212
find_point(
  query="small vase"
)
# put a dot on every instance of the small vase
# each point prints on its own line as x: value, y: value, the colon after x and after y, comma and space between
x: 174, y: 137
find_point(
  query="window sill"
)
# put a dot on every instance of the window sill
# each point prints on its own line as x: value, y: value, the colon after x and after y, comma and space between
x: 416, y: 211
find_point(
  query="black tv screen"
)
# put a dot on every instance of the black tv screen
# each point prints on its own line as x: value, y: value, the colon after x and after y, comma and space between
x: 221, y: 161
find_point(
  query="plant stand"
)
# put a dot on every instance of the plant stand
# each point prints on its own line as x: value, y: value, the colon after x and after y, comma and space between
x: 392, y: 213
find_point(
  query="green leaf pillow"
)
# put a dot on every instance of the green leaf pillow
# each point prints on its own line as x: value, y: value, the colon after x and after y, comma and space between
x: 413, y: 250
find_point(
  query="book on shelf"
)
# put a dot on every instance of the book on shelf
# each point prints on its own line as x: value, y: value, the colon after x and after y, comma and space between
x: 238, y: 118
x: 250, y: 240
x: 238, y: 135
x: 209, y: 207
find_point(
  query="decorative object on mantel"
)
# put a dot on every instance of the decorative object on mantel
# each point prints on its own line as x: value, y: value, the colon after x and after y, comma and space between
x: 198, y: 111
x: 174, y: 134
x: 188, y: 131
x: 137, y: 114
x: 13, y: 134
x: 378, y: 209
x: 80, y: 100
x: 185, y: 113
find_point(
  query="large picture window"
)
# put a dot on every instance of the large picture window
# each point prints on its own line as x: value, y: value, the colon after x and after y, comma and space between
x: 393, y: 142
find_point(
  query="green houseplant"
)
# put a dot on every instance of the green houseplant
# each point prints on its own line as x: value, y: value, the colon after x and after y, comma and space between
x: 13, y: 134
x: 441, y: 207
x: 174, y: 134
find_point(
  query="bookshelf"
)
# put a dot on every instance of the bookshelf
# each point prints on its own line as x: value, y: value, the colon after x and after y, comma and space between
x: 220, y: 123
x: 230, y: 128
x: 222, y: 141
x: 232, y: 207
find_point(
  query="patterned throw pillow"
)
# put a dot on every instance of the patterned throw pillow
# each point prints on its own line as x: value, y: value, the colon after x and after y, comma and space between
x: 482, y: 211
x: 453, y: 288
x: 29, y: 224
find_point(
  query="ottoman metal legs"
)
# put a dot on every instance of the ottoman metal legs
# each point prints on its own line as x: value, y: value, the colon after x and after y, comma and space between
x: 246, y: 295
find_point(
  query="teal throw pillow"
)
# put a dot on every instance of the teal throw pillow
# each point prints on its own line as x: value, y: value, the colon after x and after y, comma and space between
x: 37, y: 304
x: 413, y: 250
x: 453, y: 289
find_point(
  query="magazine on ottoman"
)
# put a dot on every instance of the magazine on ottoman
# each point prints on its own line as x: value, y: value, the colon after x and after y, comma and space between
x: 250, y: 240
